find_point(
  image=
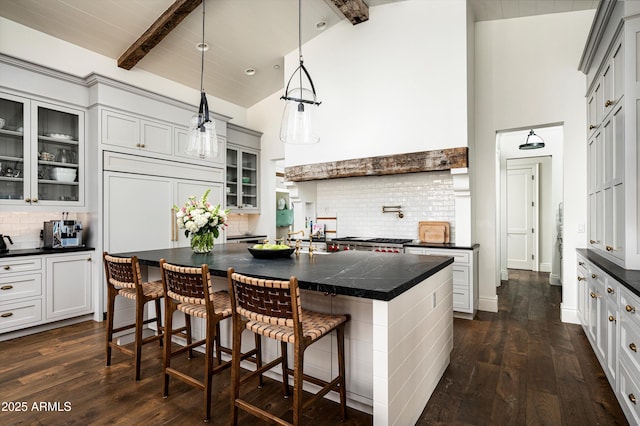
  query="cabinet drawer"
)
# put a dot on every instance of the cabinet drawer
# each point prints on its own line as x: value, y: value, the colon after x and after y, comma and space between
x: 20, y: 286
x: 629, y: 394
x: 630, y: 342
x: 460, y: 299
x: 629, y: 307
x: 458, y: 255
x: 20, y: 264
x: 20, y: 314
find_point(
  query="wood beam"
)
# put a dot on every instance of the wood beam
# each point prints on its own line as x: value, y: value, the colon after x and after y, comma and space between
x: 356, y: 11
x: 425, y: 161
x: 156, y: 32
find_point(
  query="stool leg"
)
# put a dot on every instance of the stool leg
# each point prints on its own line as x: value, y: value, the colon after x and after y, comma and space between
x: 298, y: 365
x: 258, y: 344
x: 208, y: 366
x: 111, y: 296
x: 187, y: 323
x: 138, y: 339
x: 217, y: 343
x: 158, y: 320
x: 341, y: 371
x: 238, y: 326
x: 285, y: 367
x: 168, y: 332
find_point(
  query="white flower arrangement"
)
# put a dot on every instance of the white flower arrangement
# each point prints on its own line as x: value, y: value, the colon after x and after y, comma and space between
x: 199, y: 217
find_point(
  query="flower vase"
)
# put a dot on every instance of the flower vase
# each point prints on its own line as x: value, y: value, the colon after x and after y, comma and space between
x: 202, y: 243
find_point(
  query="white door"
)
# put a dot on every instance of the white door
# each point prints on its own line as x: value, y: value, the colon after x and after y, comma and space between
x: 138, y: 212
x: 522, y: 217
x: 185, y: 189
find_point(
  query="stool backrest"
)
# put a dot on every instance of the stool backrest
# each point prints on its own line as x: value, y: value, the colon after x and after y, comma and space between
x: 187, y: 284
x: 269, y: 301
x: 122, y: 272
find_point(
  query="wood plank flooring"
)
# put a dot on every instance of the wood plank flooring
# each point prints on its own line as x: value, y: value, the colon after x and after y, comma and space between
x: 515, y: 367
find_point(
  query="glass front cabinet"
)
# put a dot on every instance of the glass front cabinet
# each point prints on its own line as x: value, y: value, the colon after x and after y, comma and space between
x: 242, y: 187
x: 41, y: 153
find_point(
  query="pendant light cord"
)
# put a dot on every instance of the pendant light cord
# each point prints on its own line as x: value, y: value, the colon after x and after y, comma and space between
x: 202, y: 51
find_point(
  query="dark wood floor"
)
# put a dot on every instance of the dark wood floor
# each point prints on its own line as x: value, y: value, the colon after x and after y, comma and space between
x: 515, y: 367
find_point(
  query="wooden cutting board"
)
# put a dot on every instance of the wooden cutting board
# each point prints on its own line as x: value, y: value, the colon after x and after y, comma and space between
x: 434, y: 232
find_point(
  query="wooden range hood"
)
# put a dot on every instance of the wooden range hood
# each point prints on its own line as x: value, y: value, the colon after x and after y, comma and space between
x: 414, y: 162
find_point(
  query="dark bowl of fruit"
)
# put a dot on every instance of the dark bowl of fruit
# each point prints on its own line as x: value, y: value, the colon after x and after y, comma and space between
x: 270, y: 251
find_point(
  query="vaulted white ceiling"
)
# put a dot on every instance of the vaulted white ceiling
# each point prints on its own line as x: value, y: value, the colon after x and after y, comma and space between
x: 241, y: 33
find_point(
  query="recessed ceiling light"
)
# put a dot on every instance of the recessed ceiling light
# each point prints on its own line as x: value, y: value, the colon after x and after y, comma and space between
x: 250, y: 71
x: 276, y: 67
x: 202, y: 46
x: 321, y: 25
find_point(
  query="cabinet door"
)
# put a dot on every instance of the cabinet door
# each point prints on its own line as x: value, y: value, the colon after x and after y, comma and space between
x: 249, y: 177
x: 181, y: 138
x: 592, y: 121
x: 120, y: 129
x: 14, y: 149
x: 185, y: 189
x: 582, y: 293
x: 155, y: 137
x: 138, y: 212
x: 68, y: 288
x: 611, y: 345
x: 59, y: 155
x: 231, y: 178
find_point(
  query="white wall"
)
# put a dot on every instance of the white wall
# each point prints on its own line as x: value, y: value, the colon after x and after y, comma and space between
x: 396, y: 83
x: 526, y: 75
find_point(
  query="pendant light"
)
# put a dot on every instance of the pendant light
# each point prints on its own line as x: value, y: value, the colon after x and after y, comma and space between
x: 533, y: 142
x: 203, y: 140
x: 299, y: 123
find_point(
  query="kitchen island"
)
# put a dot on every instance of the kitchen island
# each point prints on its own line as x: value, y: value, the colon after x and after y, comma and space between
x: 400, y: 336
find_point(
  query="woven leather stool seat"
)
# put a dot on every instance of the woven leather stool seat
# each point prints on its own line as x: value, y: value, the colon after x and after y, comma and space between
x: 152, y: 290
x: 272, y: 309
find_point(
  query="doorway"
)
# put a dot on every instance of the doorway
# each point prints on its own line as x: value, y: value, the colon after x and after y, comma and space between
x: 530, y: 197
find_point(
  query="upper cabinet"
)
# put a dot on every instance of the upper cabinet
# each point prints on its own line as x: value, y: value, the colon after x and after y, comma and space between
x: 242, y: 169
x: 41, y: 153
x: 613, y: 99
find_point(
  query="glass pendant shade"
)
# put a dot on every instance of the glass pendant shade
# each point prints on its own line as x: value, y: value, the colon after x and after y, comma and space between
x: 299, y: 119
x: 533, y: 142
x: 203, y: 140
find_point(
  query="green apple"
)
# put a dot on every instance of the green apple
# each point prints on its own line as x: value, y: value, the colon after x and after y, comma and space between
x: 258, y: 246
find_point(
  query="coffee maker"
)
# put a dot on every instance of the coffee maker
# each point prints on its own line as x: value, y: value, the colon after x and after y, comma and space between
x: 62, y: 233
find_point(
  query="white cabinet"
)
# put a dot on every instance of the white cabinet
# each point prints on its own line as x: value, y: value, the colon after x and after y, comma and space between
x: 41, y: 153
x: 36, y: 290
x: 130, y: 131
x: 68, y: 285
x: 465, y: 277
x: 583, y: 290
x: 242, y: 180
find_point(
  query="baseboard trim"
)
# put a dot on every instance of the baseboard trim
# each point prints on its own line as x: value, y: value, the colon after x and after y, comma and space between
x: 489, y: 304
x: 569, y: 315
x: 554, y: 279
x: 504, y: 275
x: 545, y: 267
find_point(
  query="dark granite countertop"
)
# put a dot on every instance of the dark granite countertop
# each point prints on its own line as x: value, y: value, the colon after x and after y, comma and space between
x: 443, y: 246
x: 41, y: 250
x: 369, y: 275
x: 630, y: 278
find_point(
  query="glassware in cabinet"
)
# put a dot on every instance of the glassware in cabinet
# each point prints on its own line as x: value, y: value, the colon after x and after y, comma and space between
x: 13, y: 161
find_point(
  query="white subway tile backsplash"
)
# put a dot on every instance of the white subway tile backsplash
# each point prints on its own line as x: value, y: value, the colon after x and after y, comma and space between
x: 358, y: 202
x: 24, y: 227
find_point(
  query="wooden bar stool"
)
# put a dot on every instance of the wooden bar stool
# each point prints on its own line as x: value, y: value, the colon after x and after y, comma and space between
x: 272, y: 309
x: 190, y: 290
x: 124, y: 279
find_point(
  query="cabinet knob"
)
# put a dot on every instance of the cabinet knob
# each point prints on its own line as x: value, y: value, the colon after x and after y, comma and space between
x: 608, y: 103
x: 591, y: 127
x: 593, y: 295
x: 581, y: 263
x: 6, y: 287
x: 609, y: 248
x: 630, y: 308
x: 27, y: 200
x: 35, y: 200
x: 142, y: 145
x: 610, y: 290
x: 7, y: 267
x: 611, y: 318
x: 88, y: 259
x: 592, y: 241
x: 138, y: 145
x: 594, y: 276
x: 581, y: 278
x: 633, y: 347
x: 7, y: 315
x: 632, y: 398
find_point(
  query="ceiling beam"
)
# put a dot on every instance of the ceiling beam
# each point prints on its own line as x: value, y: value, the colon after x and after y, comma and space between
x: 156, y: 32
x: 355, y: 11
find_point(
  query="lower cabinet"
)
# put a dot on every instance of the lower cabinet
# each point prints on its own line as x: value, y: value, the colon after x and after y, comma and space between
x: 610, y: 316
x: 465, y: 277
x: 36, y: 290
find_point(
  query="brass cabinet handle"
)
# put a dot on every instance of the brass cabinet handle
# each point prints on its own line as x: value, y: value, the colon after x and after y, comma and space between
x: 630, y: 308
x: 27, y: 200
x: 610, y: 290
x: 173, y: 226
x: 6, y: 287
x: 591, y: 127
x: 632, y: 398
x: 88, y: 259
x: 138, y: 145
x: 608, y: 103
x: 611, y: 318
x: 581, y: 278
x: 609, y: 248
x: 7, y: 267
x: 581, y: 263
x: 594, y: 276
x: 593, y: 295
x: 35, y: 200
x: 633, y: 347
x: 592, y: 241
x: 6, y: 314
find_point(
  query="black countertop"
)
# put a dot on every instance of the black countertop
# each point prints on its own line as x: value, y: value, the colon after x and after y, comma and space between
x: 630, y: 278
x: 443, y: 246
x: 370, y: 275
x: 41, y: 250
